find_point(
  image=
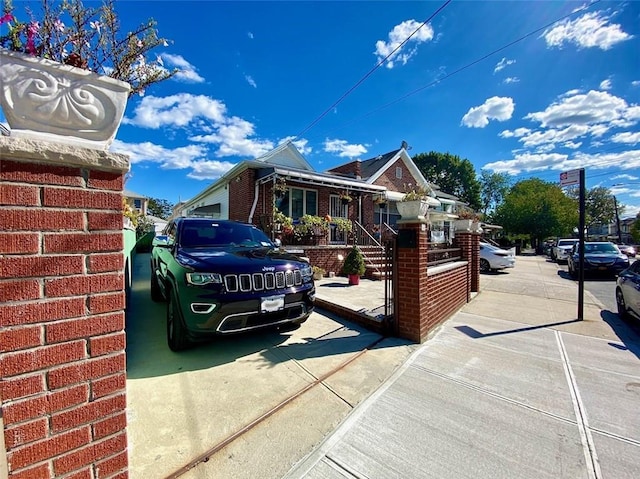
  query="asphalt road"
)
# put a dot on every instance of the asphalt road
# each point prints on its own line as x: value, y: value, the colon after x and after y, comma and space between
x: 602, y: 288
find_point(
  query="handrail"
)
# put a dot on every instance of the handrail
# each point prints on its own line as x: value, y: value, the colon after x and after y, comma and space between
x: 363, y: 237
x: 395, y: 233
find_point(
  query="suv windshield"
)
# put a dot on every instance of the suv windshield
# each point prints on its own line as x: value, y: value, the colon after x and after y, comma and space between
x: 600, y: 248
x: 567, y: 242
x: 208, y: 233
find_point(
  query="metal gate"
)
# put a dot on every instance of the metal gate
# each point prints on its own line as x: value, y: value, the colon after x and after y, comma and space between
x: 390, y: 286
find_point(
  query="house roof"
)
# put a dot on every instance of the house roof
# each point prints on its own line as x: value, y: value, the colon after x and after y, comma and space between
x: 313, y: 177
x: 371, y: 166
x: 131, y: 194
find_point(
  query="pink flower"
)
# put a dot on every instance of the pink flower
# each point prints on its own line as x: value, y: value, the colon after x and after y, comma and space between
x: 58, y: 25
x: 7, y: 17
x: 32, y: 31
x: 95, y: 26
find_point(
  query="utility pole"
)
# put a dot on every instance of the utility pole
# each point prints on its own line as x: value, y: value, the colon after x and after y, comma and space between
x: 615, y: 205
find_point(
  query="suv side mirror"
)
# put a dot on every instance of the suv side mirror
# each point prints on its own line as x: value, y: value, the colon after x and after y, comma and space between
x: 161, y: 241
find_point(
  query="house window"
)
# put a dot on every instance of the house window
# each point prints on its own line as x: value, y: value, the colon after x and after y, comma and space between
x: 398, y: 172
x: 298, y: 202
x: 137, y: 203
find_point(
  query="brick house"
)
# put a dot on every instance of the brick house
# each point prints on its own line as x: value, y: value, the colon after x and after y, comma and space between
x: 283, y: 181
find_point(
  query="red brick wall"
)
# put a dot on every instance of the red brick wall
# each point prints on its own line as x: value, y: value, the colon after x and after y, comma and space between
x: 388, y: 178
x: 241, y: 195
x: 412, y: 308
x: 446, y: 293
x: 62, y: 340
x: 352, y: 169
x: 426, y: 300
x: 470, y: 245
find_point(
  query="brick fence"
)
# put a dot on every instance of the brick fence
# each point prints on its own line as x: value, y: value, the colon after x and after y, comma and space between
x: 62, y: 340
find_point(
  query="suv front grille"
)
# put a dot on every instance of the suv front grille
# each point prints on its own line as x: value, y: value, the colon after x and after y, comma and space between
x: 262, y: 281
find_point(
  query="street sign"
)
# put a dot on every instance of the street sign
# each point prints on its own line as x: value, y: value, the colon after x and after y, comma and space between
x: 571, y: 177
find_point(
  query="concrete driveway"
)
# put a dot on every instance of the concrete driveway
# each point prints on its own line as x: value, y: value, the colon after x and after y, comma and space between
x: 183, y: 408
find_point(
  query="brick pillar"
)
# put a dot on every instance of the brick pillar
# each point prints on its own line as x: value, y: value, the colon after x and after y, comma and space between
x: 469, y: 242
x: 62, y: 340
x: 412, y: 311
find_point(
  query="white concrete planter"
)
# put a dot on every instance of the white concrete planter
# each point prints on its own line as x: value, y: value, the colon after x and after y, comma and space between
x: 50, y: 101
x: 463, y: 225
x: 413, y: 210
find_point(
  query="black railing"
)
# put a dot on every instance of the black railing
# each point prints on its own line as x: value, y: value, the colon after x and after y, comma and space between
x: 436, y: 256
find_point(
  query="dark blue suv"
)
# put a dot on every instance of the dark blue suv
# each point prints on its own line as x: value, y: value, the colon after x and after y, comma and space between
x: 222, y: 277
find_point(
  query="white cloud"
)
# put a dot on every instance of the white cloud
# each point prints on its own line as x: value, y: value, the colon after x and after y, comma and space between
x: 503, y: 64
x: 187, y: 72
x: 584, y: 109
x: 250, y: 35
x: 302, y: 145
x: 511, y: 80
x: 635, y: 83
x: 176, y: 110
x: 495, y: 108
x: 630, y: 211
x: 233, y: 137
x: 207, y: 122
x: 625, y: 177
x: 627, y: 137
x: 527, y: 162
x: 398, y: 35
x: 177, y: 158
x: 250, y: 81
x: 605, y: 84
x: 209, y: 169
x: 344, y: 149
x: 572, y: 145
x: 589, y: 30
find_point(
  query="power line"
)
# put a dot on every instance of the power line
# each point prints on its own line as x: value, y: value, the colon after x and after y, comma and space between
x: 370, y: 72
x: 484, y: 57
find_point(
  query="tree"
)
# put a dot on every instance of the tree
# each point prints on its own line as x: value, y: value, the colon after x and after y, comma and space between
x: 452, y: 175
x: 494, y: 187
x: 538, y: 209
x: 599, y: 205
x: 160, y: 208
x: 635, y: 229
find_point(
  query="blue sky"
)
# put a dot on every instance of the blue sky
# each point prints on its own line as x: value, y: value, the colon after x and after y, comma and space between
x: 546, y: 98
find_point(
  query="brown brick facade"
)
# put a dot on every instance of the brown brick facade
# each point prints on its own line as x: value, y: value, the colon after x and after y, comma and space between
x: 62, y: 384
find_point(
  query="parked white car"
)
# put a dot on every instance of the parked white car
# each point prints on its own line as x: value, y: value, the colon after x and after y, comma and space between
x: 493, y: 258
x: 562, y: 250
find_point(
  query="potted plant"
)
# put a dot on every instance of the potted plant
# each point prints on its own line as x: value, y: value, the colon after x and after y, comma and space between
x: 89, y: 70
x: 282, y: 223
x: 280, y: 187
x: 415, y: 202
x: 345, y: 198
x: 318, y: 273
x: 466, y: 219
x: 354, y: 266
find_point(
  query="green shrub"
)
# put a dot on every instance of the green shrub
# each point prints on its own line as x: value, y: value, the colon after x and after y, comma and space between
x: 354, y: 262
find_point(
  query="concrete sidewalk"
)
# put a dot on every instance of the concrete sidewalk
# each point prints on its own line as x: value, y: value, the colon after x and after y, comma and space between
x: 512, y: 386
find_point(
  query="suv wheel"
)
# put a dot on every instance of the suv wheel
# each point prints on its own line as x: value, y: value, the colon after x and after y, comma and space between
x: 622, y: 307
x: 176, y: 332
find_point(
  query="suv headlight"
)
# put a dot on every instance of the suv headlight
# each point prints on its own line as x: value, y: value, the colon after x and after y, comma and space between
x: 200, y: 279
x: 307, y: 273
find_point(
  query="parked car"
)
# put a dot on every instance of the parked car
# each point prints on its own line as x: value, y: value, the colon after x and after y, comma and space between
x: 221, y: 277
x: 629, y: 250
x: 601, y: 257
x: 560, y: 252
x: 493, y: 258
x: 628, y: 291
